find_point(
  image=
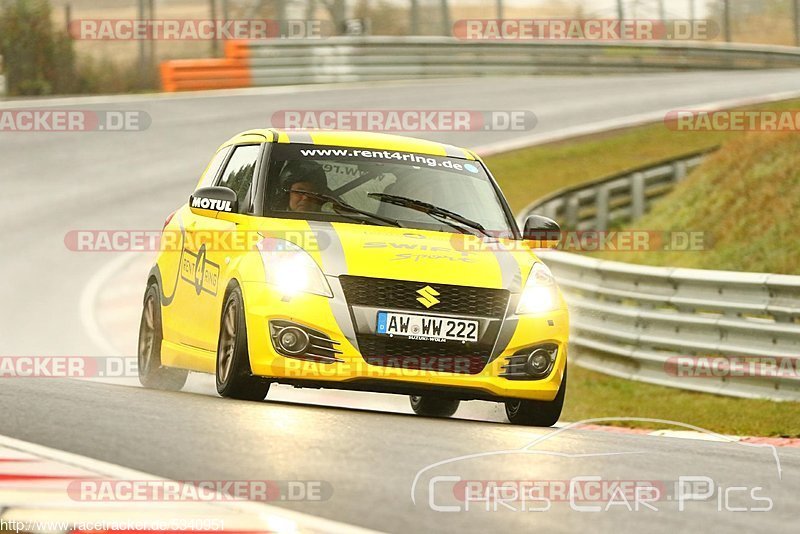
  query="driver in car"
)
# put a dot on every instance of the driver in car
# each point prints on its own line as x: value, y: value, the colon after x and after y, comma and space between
x: 298, y: 176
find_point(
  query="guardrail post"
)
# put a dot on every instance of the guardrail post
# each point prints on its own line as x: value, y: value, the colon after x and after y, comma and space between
x: 551, y: 210
x: 572, y: 211
x: 638, y: 200
x: 601, y: 205
x: 679, y: 171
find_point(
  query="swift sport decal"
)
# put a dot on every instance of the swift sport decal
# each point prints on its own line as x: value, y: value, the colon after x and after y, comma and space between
x: 417, y: 252
x: 334, y: 264
x: 512, y: 280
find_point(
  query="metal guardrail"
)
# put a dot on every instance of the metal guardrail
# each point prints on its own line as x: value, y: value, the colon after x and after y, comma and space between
x: 623, y: 196
x: 3, y: 87
x: 349, y: 59
x: 641, y: 322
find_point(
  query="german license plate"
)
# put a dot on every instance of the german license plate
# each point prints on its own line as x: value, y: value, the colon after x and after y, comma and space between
x: 427, y: 327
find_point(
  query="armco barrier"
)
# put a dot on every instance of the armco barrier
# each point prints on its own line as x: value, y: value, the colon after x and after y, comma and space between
x: 622, y: 196
x: 3, y: 87
x: 637, y: 322
x: 351, y: 59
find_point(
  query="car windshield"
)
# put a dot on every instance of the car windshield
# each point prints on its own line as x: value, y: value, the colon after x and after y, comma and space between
x: 383, y: 187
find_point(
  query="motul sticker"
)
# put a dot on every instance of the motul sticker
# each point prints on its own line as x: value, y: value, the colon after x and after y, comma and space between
x: 211, y: 204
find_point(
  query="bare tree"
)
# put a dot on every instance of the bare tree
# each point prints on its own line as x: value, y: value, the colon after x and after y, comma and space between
x: 338, y: 12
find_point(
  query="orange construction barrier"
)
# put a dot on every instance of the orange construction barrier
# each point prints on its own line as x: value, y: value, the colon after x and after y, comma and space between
x: 196, y: 74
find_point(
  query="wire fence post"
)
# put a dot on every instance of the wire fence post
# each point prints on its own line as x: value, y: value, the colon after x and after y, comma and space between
x: 142, y: 61
x: 152, y: 44
x: 726, y: 16
x: 214, y: 43
x: 414, y: 17
x: 446, y: 26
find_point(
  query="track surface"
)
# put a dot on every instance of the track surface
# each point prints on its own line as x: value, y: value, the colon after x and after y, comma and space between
x: 54, y: 183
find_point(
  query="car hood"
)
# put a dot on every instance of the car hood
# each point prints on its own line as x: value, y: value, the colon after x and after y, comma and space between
x: 420, y: 255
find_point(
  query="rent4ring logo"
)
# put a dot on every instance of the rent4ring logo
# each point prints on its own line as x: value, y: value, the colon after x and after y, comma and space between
x: 62, y: 120
x: 199, y: 271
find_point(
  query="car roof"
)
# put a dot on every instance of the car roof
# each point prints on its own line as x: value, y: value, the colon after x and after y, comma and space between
x: 354, y: 139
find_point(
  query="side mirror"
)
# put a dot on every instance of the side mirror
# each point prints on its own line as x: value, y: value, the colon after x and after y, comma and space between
x: 213, y: 199
x: 545, y: 232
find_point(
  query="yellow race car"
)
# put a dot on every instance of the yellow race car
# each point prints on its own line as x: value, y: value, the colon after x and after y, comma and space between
x: 357, y: 261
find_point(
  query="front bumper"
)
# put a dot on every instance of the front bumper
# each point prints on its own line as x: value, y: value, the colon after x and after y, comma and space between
x: 353, y: 372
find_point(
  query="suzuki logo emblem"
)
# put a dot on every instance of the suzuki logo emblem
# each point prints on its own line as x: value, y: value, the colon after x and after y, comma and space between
x: 428, y: 296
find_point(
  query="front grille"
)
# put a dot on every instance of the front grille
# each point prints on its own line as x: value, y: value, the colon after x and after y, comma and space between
x: 423, y: 355
x: 400, y: 294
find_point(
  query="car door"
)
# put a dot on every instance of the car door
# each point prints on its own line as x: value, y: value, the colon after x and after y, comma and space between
x: 214, y: 247
x: 178, y: 296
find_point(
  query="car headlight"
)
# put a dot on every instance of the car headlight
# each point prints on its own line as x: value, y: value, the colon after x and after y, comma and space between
x: 291, y: 269
x: 541, y: 292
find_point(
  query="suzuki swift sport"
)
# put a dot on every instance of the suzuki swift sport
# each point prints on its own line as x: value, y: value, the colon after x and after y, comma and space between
x: 356, y: 261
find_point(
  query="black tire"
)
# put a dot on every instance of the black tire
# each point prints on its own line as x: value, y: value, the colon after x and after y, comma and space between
x: 433, y: 406
x: 151, y: 373
x: 234, y: 376
x: 537, y: 413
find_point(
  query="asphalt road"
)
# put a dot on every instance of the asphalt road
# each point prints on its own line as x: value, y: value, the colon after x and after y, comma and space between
x: 57, y: 182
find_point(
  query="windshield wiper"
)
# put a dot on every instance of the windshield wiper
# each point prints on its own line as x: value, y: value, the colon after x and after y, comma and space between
x: 436, y: 212
x: 344, y: 206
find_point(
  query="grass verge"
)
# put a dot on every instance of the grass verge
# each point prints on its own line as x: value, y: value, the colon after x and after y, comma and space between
x: 592, y: 394
x: 744, y: 199
x: 532, y: 173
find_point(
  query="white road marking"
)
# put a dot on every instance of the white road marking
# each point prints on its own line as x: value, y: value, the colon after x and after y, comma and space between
x: 215, y: 93
x: 88, y: 301
x: 276, y: 519
x: 639, y: 119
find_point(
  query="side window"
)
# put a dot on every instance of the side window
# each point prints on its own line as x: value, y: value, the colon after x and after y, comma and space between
x: 213, y: 168
x: 238, y: 174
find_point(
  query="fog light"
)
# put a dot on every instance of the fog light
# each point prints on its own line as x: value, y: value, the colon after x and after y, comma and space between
x: 538, y: 363
x: 293, y: 340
